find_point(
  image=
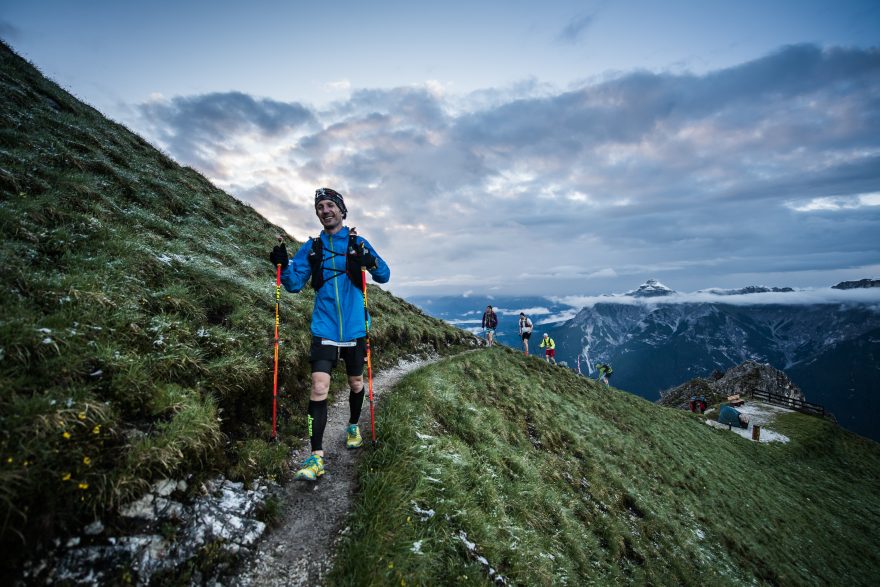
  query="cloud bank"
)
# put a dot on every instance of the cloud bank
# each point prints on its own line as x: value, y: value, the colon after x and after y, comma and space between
x: 764, y: 172
x: 868, y: 297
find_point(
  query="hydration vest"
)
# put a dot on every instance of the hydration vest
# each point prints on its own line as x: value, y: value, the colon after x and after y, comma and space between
x: 352, y: 267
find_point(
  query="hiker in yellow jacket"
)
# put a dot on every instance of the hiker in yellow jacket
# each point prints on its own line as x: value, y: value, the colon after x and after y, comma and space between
x: 549, y: 349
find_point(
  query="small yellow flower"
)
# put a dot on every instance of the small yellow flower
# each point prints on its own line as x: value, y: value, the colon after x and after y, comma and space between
x: 66, y: 435
x: 96, y: 429
x: 10, y: 460
x: 87, y: 461
x: 26, y: 463
x: 83, y: 485
x: 82, y: 415
x: 66, y: 477
x: 391, y: 565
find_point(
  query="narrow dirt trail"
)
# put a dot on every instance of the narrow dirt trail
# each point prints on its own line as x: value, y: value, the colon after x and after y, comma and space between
x: 300, y: 550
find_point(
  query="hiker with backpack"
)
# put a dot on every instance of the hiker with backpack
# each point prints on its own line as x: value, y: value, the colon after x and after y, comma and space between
x: 333, y: 261
x: 549, y: 346
x: 525, y: 331
x: 605, y: 372
x: 490, y: 323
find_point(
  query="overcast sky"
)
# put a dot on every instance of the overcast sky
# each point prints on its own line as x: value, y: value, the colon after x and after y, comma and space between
x: 554, y: 148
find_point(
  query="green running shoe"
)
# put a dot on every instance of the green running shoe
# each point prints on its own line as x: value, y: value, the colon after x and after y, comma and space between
x: 311, y: 469
x: 353, y: 437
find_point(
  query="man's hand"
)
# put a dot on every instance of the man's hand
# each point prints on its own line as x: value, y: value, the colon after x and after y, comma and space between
x: 278, y: 256
x: 365, y: 258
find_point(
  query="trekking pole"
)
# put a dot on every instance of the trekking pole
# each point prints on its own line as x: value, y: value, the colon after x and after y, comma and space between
x: 275, y: 373
x: 369, y: 353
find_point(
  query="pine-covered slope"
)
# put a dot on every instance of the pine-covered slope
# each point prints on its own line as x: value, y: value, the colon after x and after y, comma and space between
x: 136, y: 319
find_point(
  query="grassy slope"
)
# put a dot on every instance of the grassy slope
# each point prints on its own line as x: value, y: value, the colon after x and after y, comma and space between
x: 559, y: 481
x: 136, y: 318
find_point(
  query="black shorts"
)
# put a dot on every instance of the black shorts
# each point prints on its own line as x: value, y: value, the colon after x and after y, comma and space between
x: 526, y: 335
x: 324, y: 357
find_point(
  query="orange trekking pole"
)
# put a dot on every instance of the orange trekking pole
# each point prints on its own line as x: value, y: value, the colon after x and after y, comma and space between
x: 369, y: 361
x: 275, y: 374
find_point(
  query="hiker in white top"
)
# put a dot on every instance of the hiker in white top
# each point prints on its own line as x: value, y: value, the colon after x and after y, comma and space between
x: 525, y: 331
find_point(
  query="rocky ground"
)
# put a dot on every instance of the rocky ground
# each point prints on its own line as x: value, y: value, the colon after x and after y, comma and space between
x: 300, y: 550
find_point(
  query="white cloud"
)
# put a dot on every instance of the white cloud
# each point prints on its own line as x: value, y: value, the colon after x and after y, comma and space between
x: 563, y: 316
x: 339, y: 86
x: 835, y: 203
x: 536, y: 311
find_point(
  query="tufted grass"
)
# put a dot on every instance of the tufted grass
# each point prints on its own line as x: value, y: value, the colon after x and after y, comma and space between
x: 557, y: 480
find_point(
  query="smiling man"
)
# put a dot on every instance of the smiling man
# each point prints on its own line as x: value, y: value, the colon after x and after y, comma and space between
x: 333, y: 261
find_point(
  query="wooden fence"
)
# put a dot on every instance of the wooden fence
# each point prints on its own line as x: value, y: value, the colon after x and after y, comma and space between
x: 790, y: 402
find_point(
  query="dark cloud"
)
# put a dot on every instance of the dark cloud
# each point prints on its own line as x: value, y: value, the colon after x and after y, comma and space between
x: 575, y: 29
x: 9, y: 32
x: 197, y: 128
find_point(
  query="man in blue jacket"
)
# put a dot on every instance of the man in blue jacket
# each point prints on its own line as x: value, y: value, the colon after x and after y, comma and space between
x: 333, y: 262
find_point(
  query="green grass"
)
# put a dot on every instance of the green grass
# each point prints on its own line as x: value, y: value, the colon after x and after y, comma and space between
x: 136, y: 320
x: 560, y: 481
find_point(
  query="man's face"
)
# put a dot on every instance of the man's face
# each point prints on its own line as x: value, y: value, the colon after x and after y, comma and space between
x: 329, y: 214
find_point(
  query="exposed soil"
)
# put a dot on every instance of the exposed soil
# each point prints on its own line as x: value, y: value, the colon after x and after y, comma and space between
x: 300, y: 550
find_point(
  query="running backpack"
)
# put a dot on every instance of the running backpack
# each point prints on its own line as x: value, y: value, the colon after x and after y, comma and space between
x: 352, y: 267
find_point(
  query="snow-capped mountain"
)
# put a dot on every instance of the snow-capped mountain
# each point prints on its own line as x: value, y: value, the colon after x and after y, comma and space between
x: 650, y: 289
x: 831, y: 350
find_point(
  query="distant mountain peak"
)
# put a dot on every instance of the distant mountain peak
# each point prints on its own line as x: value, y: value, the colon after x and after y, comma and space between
x: 862, y: 283
x: 650, y: 289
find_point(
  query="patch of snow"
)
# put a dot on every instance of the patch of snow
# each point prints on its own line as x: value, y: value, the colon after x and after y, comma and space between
x: 167, y: 258
x: 759, y: 414
x: 164, y: 487
x: 471, y: 546
x: 423, y: 514
x: 142, y: 508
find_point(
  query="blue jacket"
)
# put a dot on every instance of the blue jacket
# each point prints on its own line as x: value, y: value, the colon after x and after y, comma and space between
x: 338, y: 313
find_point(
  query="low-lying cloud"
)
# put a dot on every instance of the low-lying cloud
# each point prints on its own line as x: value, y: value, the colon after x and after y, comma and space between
x: 867, y: 296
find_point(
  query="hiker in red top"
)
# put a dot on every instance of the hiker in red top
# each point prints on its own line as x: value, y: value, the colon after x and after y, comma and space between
x: 490, y: 323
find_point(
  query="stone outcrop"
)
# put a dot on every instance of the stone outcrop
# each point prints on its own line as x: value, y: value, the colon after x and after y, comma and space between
x: 742, y: 380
